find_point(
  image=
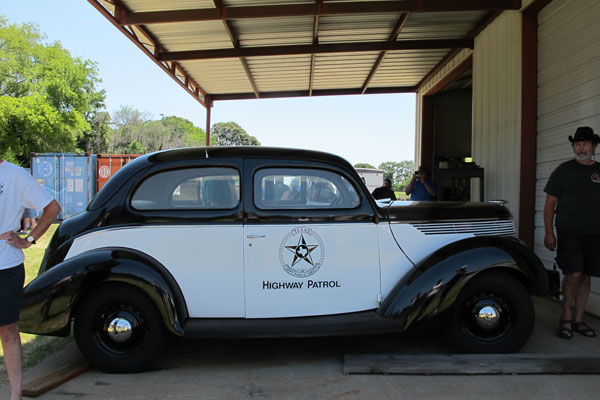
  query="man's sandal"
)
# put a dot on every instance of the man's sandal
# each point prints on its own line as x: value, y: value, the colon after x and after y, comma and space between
x: 584, y: 329
x: 565, y: 333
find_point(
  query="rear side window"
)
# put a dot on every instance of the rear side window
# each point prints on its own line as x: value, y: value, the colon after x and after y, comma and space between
x: 193, y: 188
x: 303, y: 188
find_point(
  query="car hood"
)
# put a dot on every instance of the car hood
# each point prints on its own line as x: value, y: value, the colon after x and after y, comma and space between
x: 415, y: 211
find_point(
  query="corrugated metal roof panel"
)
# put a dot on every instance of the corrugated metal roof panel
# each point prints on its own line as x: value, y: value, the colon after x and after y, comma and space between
x: 280, y: 73
x: 435, y: 25
x: 342, y: 70
x: 273, y: 32
x: 356, y: 28
x: 185, y: 36
x: 219, y: 76
x: 161, y: 5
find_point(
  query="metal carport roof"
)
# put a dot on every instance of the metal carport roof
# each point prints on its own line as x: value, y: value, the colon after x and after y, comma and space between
x: 242, y: 49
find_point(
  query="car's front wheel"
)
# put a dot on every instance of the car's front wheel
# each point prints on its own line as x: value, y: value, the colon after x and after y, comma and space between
x: 493, y: 314
x: 118, y: 329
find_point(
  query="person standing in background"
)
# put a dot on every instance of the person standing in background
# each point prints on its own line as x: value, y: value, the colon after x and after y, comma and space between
x: 421, y: 187
x: 573, y: 196
x: 18, y: 190
x: 385, y: 191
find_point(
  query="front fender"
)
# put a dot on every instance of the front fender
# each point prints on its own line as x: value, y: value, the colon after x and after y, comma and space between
x: 50, y: 299
x: 434, y: 285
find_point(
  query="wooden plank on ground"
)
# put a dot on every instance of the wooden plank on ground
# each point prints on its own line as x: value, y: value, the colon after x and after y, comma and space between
x: 471, y: 364
x: 55, y: 370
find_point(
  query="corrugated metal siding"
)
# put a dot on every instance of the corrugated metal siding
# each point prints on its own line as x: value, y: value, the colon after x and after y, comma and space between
x: 497, y: 108
x: 568, y: 96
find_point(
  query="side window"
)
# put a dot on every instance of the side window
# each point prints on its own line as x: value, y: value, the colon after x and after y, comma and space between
x: 291, y: 188
x: 192, y: 188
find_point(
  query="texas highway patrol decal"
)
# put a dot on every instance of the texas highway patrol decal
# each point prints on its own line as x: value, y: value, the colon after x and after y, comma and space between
x: 301, y: 252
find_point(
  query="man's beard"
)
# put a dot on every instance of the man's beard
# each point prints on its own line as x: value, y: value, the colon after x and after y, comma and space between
x: 584, y: 156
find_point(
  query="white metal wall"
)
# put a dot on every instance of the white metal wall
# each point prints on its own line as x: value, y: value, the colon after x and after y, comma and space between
x: 568, y: 96
x: 496, y: 138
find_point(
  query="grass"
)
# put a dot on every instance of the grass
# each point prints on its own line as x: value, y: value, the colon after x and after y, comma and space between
x: 35, y: 347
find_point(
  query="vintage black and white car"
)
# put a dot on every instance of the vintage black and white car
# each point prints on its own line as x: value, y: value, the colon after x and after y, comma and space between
x: 262, y: 242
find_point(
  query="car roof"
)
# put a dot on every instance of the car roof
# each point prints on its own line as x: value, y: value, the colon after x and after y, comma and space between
x: 216, y: 152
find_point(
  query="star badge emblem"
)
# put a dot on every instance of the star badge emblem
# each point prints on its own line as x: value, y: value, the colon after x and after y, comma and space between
x: 302, y: 251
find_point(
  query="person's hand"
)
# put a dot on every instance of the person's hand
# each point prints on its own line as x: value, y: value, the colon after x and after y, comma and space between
x: 11, y: 238
x: 550, y: 241
x: 414, y: 178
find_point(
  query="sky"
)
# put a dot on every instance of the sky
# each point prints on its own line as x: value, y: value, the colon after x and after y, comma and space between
x: 363, y: 129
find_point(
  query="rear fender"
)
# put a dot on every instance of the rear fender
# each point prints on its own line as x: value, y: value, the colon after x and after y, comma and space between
x: 435, y: 283
x: 50, y: 300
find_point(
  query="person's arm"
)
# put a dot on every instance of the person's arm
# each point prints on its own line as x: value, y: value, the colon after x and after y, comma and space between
x: 50, y: 213
x: 549, y: 211
x: 408, y: 189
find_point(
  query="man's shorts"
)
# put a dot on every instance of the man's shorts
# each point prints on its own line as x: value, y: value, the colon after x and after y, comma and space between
x: 578, y: 253
x: 30, y: 213
x: 11, y: 294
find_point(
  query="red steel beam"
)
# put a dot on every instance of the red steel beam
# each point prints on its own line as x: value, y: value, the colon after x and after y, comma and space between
x: 316, y: 49
x: 171, y: 71
x: 305, y: 93
x: 395, y: 32
x: 299, y: 10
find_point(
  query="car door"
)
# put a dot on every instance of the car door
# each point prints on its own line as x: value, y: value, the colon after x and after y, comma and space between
x: 310, y: 243
x: 193, y: 227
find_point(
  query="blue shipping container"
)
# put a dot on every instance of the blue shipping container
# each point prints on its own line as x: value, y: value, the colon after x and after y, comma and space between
x: 70, y: 177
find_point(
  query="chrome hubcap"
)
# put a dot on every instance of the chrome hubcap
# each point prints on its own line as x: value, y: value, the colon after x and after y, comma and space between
x: 487, y: 317
x: 119, y: 330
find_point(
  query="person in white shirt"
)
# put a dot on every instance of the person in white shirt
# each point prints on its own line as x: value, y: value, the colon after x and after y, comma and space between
x: 18, y: 190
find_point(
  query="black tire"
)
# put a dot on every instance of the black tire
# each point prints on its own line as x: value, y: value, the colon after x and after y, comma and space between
x: 509, y: 310
x: 136, y: 348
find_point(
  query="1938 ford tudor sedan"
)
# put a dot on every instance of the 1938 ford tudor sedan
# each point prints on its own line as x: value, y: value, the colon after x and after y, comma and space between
x: 262, y: 242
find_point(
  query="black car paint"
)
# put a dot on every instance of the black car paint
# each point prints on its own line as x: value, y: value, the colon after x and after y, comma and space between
x: 50, y: 299
x: 111, y: 209
x: 432, y: 287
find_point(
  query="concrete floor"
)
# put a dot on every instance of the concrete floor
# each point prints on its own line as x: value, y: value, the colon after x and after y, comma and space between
x: 312, y: 369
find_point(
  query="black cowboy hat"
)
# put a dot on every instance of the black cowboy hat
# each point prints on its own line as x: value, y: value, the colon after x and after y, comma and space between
x: 584, y: 133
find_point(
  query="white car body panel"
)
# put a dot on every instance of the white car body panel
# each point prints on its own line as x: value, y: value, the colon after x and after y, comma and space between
x: 204, y: 260
x: 393, y: 263
x: 350, y: 268
x: 419, y: 240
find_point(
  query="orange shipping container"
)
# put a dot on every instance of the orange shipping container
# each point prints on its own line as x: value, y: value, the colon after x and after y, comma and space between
x: 109, y: 164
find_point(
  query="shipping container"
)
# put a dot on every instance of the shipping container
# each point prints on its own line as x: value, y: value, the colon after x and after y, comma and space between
x: 109, y: 164
x: 69, y: 177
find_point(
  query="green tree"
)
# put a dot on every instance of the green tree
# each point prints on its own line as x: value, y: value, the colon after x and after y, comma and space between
x: 363, y: 165
x: 399, y: 172
x: 29, y: 124
x: 135, y: 133
x: 97, y: 138
x: 126, y: 123
x: 231, y: 134
x: 48, y: 97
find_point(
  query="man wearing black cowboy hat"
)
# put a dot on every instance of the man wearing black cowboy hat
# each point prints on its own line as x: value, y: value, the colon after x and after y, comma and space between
x: 573, y: 196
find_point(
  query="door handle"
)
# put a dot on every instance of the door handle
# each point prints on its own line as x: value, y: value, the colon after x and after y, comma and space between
x: 255, y: 236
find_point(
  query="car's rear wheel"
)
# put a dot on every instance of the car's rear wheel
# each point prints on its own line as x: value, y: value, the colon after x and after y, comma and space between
x: 118, y: 329
x: 493, y: 314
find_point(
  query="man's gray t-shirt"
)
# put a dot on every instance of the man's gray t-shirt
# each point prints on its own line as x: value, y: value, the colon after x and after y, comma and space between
x: 577, y: 188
